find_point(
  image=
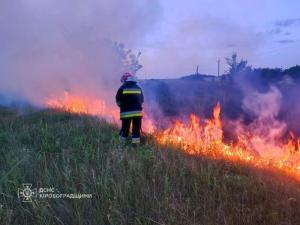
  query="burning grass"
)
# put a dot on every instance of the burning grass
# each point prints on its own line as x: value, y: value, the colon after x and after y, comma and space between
x: 149, y: 184
x: 254, y: 146
x: 208, y: 140
x: 83, y: 105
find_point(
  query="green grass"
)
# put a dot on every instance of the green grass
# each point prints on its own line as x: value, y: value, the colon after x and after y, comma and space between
x: 147, y: 184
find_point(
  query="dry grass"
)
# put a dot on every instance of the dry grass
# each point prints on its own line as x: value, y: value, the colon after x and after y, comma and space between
x: 143, y: 185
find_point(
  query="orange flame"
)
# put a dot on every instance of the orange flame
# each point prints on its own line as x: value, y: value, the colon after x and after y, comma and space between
x: 200, y: 139
x: 207, y: 140
x: 82, y: 104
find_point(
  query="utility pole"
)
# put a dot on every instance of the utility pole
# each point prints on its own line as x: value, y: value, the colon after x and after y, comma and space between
x: 197, y: 70
x: 219, y: 61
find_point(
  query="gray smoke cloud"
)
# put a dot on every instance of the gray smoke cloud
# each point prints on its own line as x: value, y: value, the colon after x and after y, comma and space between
x: 264, y: 106
x: 266, y: 129
x: 48, y: 46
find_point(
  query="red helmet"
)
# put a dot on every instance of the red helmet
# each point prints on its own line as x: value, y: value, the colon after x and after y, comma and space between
x: 126, y: 76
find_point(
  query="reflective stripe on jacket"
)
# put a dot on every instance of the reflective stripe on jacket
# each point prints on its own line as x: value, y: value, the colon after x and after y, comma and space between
x: 131, y: 114
x: 129, y: 91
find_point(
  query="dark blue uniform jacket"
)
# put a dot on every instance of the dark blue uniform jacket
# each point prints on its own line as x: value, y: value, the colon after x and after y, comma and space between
x: 130, y: 99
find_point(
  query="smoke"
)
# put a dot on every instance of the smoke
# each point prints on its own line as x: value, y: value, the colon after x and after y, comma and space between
x: 265, y: 106
x: 49, y: 46
x: 264, y: 134
x: 291, y: 107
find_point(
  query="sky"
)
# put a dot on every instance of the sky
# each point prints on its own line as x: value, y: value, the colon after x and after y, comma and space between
x: 198, y: 32
x: 55, y: 45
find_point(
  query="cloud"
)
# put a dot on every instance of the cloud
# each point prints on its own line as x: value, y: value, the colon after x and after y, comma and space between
x: 274, y: 31
x: 286, y: 41
x: 279, y: 27
x: 288, y: 22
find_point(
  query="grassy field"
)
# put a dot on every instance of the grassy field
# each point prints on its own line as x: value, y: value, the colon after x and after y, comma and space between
x: 147, y: 184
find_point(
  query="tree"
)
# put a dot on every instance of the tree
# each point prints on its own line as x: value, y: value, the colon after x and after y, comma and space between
x: 129, y: 60
x: 236, y: 66
x: 294, y: 72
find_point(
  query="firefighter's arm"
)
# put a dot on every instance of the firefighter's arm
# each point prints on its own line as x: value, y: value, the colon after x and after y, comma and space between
x: 119, y: 97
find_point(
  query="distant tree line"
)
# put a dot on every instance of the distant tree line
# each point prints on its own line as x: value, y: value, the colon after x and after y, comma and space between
x: 270, y: 75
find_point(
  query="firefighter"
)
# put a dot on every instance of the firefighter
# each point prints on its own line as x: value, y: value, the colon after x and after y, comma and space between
x: 130, y: 99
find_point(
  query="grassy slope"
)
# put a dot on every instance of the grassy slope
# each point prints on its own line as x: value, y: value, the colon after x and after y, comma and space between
x: 142, y: 185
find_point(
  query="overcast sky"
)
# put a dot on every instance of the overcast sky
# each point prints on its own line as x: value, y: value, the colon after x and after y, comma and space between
x: 66, y: 36
x: 198, y: 32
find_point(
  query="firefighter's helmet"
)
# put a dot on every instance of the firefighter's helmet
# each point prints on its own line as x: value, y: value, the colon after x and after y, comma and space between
x: 128, y: 77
